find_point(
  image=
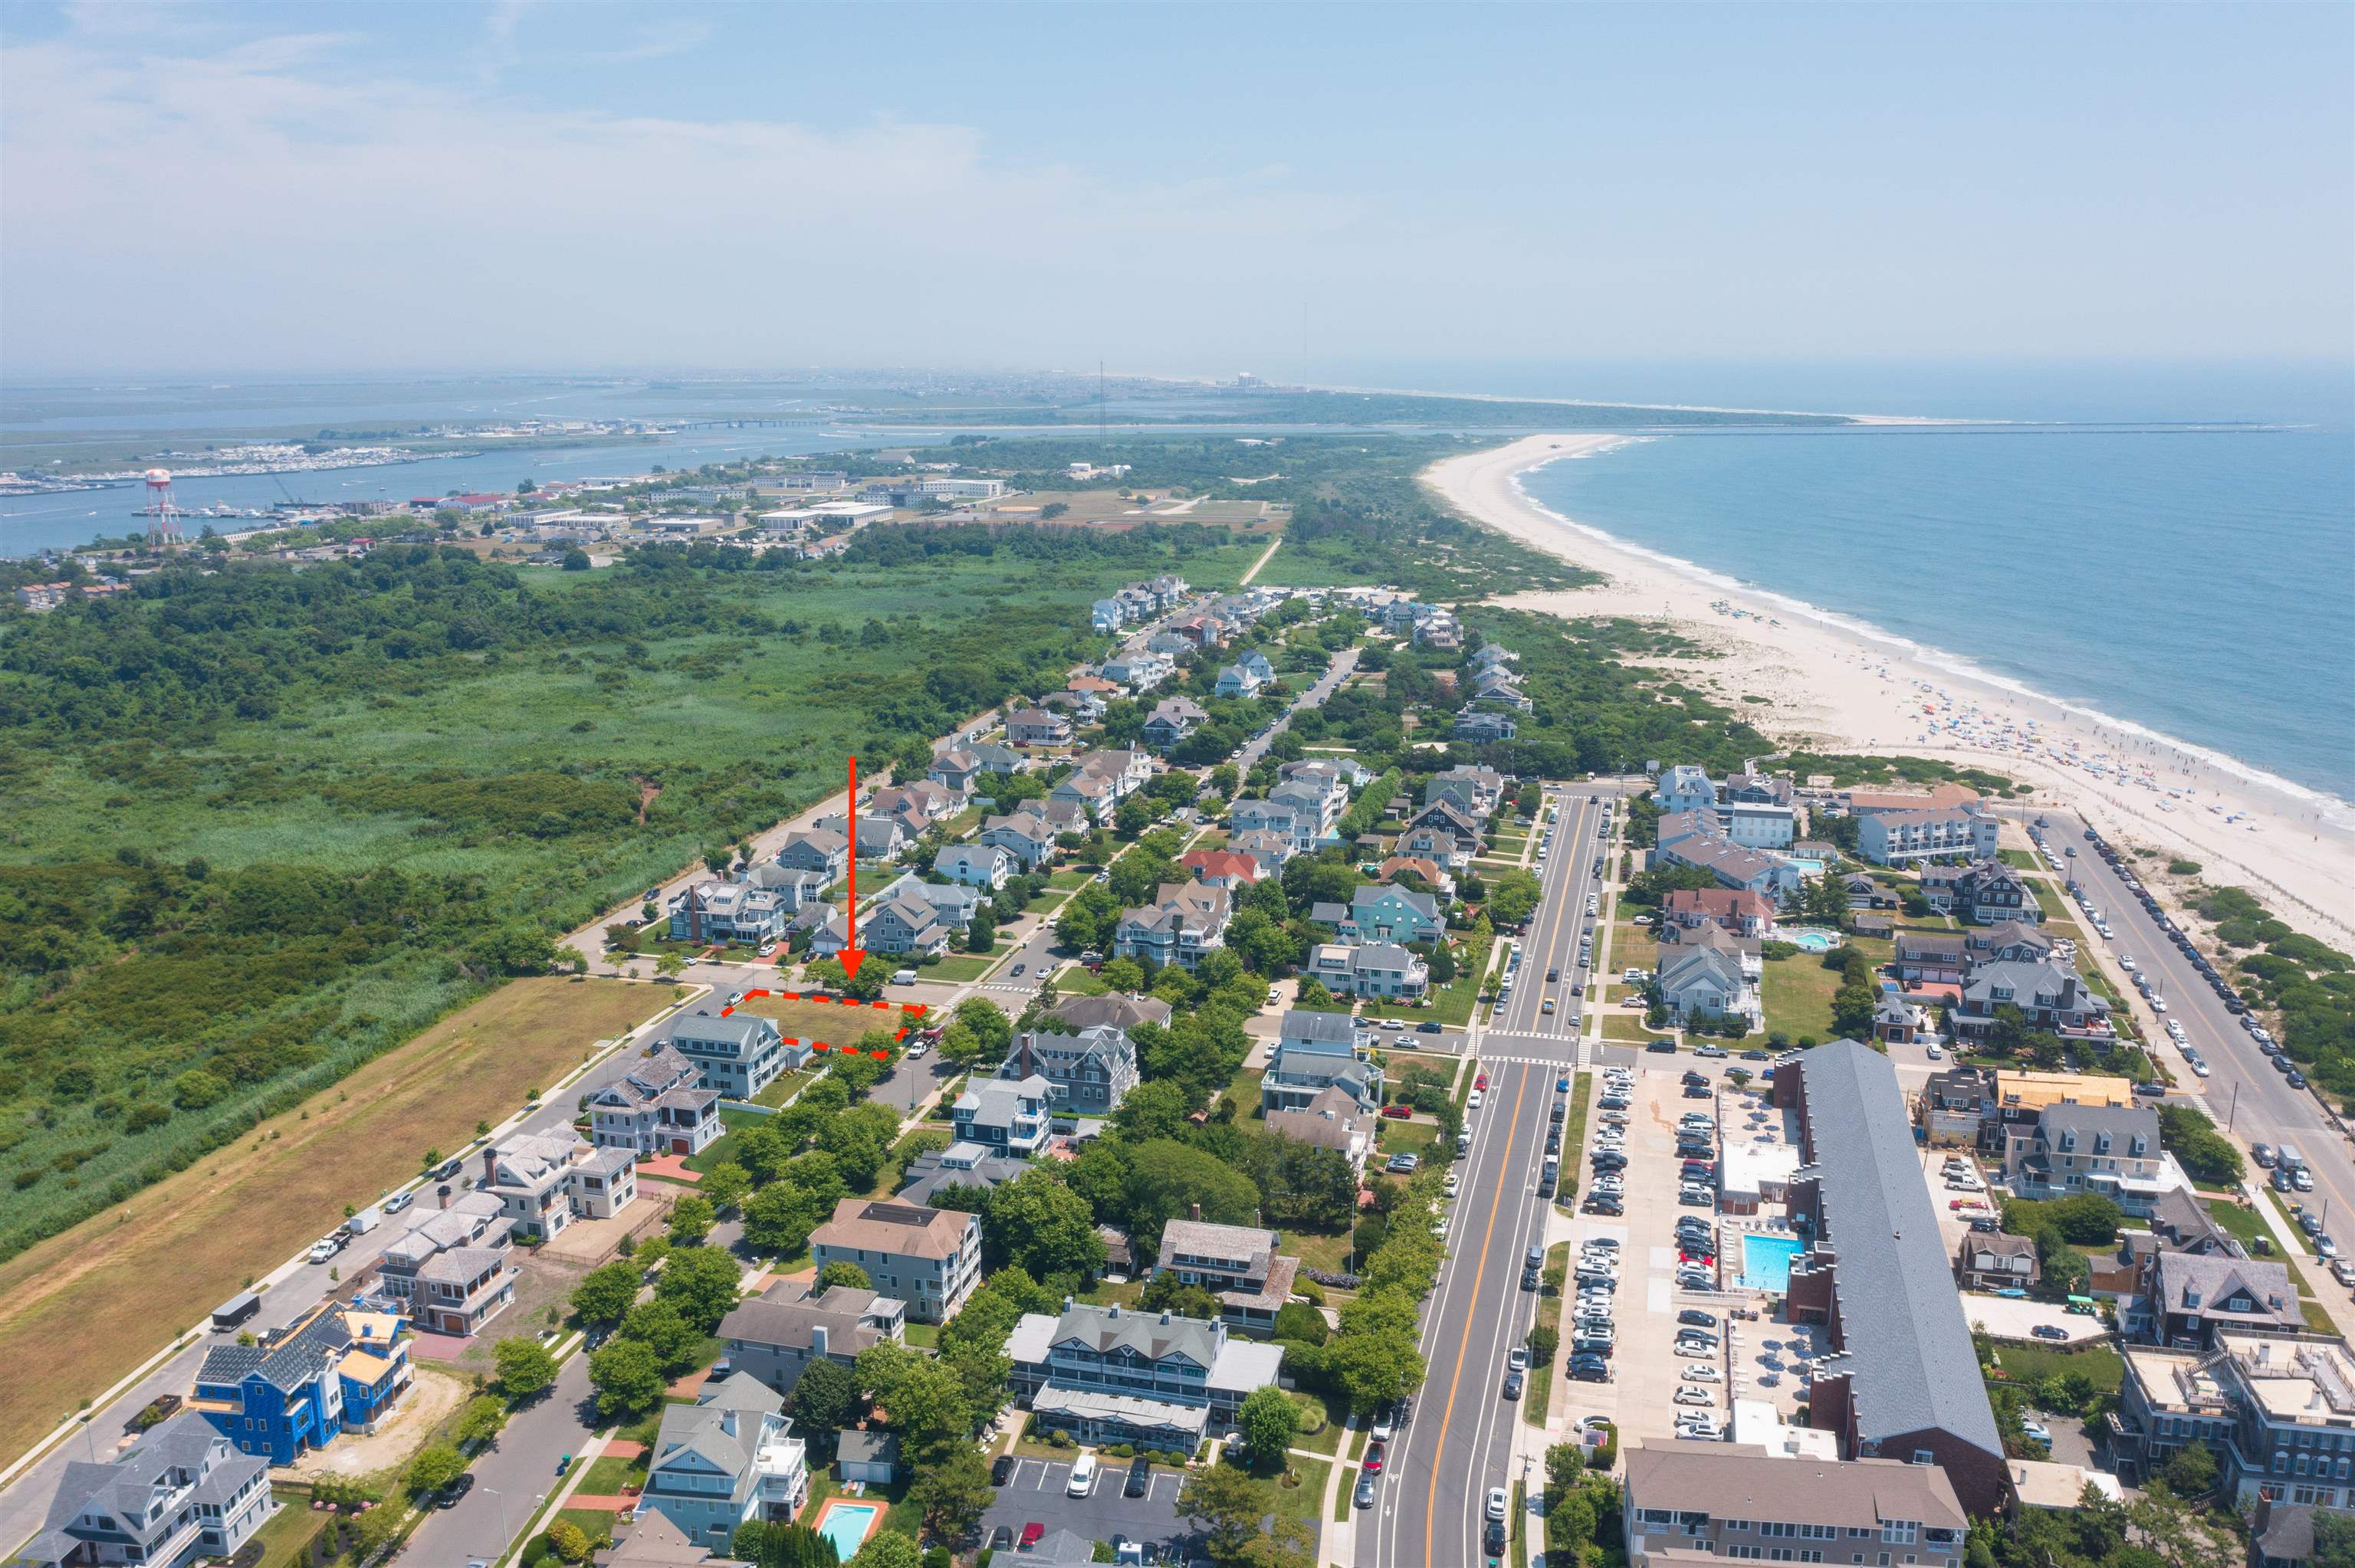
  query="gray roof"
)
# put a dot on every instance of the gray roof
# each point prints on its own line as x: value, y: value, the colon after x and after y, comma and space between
x: 1306, y: 1024
x: 2123, y: 1123
x: 1112, y: 1007
x: 1907, y: 1349
x: 698, y: 1427
x: 786, y: 1313
x: 867, y: 1448
x: 125, y: 1488
x: 740, y: 1030
x: 1147, y: 1334
x: 2203, y: 1282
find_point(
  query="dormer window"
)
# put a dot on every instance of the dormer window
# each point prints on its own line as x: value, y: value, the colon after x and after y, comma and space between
x: 2101, y: 1143
x: 2068, y: 1140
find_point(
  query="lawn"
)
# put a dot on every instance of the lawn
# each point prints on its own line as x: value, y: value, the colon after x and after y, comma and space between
x: 608, y: 1476
x: 1632, y: 946
x: 1539, y: 1394
x: 1798, y: 992
x: 286, y: 1539
x: 2243, y: 1224
x: 723, y: 1148
x: 958, y: 968
x: 2034, y: 1363
x: 1070, y: 881
x: 80, y: 1309
x: 924, y: 1336
x: 1574, y: 1134
x: 1305, y: 1502
x: 1451, y: 1004
x: 784, y: 1087
x: 1332, y: 1253
x: 596, y: 1523
x: 1622, y: 1027
x: 1328, y: 1414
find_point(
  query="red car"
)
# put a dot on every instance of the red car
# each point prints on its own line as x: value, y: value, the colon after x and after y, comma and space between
x: 1398, y: 1113
x: 1031, y: 1533
x: 1481, y: 1082
x: 1374, y: 1459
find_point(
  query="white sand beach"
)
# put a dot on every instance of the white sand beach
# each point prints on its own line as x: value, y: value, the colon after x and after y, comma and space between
x: 1841, y: 687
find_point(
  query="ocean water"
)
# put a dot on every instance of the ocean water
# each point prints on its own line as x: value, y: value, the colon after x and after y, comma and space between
x: 2199, y: 583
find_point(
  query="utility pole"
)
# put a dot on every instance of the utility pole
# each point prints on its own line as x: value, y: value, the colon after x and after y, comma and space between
x: 2235, y: 1109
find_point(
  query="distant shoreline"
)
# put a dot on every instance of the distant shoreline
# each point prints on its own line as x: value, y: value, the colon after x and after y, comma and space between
x: 1852, y: 686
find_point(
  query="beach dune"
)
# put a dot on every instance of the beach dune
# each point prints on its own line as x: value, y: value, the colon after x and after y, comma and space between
x: 1840, y: 687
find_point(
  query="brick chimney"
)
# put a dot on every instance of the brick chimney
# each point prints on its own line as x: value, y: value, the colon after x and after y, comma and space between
x: 442, y: 1193
x: 1194, y: 1213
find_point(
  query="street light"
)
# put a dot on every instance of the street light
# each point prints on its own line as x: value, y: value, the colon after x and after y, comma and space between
x: 505, y: 1540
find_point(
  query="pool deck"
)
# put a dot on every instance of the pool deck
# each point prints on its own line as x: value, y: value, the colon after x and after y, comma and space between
x: 834, y: 1504
x: 1790, y: 1247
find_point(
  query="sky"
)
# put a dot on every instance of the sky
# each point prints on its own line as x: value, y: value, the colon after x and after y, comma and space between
x: 1189, y: 189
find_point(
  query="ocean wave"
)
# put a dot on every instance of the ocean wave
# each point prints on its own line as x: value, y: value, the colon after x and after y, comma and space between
x: 2337, y: 809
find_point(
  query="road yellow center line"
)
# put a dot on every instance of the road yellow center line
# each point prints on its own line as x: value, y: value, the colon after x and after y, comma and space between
x: 1495, y: 1203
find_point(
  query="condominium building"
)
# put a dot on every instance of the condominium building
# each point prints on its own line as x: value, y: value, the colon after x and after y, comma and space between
x: 2278, y: 1409
x: 1109, y: 1375
x: 929, y: 1258
x: 1699, y: 1503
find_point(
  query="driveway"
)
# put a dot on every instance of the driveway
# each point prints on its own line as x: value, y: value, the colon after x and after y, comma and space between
x: 1034, y: 1494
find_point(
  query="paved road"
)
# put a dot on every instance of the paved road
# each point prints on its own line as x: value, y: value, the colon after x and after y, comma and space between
x: 512, y: 1477
x: 1461, y: 1443
x: 2242, y: 1086
x: 1318, y: 690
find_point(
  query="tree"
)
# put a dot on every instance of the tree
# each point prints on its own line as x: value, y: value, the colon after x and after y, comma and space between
x: 2064, y: 1266
x: 374, y: 1532
x: 569, y: 1541
x: 1132, y: 817
x: 1167, y: 1178
x: 779, y: 1218
x: 691, y: 1219
x: 2334, y: 1540
x: 1226, y: 1505
x: 1543, y: 1342
x: 1512, y: 897
x: 2190, y: 1470
x: 1373, y: 1355
x: 434, y: 1468
x: 1043, y: 1228
x: 702, y: 1283
x: 1852, y: 1007
x: 828, y: 1397
x: 924, y: 1397
x: 628, y: 1381
x: 576, y: 559
x: 605, y: 1293
x: 1300, y: 1321
x: 525, y: 1368
x: 724, y: 1185
x: 841, y: 1271
x: 890, y: 1549
x: 950, y: 1488
x: 480, y: 1420
x: 1269, y: 1421
x: 1151, y: 1110
x: 1565, y: 1467
x: 1165, y: 1292
x: 658, y: 1326
x: 991, y: 1028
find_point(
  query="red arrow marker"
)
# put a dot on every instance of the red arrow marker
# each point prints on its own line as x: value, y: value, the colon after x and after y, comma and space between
x: 853, y: 956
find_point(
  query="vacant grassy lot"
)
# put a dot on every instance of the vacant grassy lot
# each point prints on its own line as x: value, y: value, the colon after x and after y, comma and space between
x: 2032, y: 1364
x: 830, y: 1022
x: 81, y: 1309
x: 1799, y: 996
x: 1632, y: 947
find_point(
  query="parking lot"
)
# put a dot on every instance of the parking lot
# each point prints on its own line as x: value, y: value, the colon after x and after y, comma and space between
x: 2007, y: 1318
x: 1033, y: 1495
x: 1648, y: 1374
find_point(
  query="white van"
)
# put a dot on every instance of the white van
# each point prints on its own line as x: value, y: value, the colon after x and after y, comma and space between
x: 1083, y: 1477
x: 904, y: 977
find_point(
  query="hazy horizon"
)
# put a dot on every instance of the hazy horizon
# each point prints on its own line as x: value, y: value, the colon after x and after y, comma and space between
x: 1184, y: 190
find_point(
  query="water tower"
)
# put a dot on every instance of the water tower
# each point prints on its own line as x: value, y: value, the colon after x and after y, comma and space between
x: 166, y: 529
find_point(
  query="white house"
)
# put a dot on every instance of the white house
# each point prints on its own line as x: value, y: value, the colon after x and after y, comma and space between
x: 975, y: 865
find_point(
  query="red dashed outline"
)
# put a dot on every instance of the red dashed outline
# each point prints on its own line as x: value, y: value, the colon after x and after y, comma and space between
x: 912, y: 1012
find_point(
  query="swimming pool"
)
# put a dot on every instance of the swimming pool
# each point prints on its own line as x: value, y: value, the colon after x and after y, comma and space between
x: 1806, y: 867
x: 1766, y: 1261
x: 846, y: 1524
x: 1812, y: 941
